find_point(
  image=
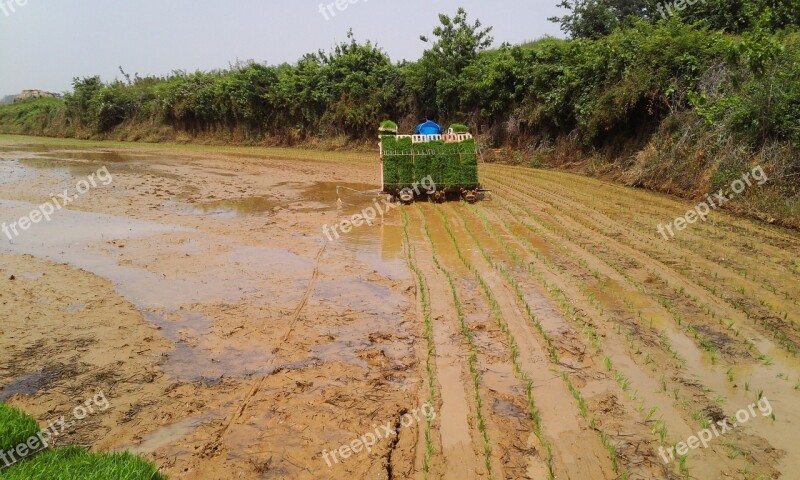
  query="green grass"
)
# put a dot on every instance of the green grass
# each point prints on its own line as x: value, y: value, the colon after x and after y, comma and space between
x: 15, y: 428
x: 69, y: 463
x: 74, y: 463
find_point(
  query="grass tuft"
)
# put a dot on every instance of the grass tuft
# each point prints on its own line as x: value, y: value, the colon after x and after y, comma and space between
x: 75, y: 463
x: 15, y: 427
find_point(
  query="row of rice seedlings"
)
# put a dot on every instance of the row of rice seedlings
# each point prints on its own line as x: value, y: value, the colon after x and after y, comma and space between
x: 784, y: 342
x: 473, y: 357
x: 660, y: 428
x: 553, y: 352
x: 558, y: 294
x: 758, y: 282
x: 700, y: 241
x: 639, y: 200
x: 666, y: 346
x: 431, y: 353
x: 702, y: 341
x: 664, y: 343
x: 498, y: 316
x: 602, y: 208
x: 605, y: 439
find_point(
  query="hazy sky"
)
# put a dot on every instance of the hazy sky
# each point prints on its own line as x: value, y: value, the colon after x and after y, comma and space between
x: 48, y: 42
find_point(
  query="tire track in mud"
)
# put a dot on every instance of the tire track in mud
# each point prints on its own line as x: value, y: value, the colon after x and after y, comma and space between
x: 258, y: 385
x: 709, y: 374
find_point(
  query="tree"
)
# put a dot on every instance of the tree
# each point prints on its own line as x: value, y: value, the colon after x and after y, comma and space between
x: 458, y: 42
x: 597, y: 18
x: 436, y: 78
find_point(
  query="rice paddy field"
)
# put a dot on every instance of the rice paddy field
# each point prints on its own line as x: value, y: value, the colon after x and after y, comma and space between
x: 548, y: 330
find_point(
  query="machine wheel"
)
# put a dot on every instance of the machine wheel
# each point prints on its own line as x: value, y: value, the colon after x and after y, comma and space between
x: 406, y: 196
x: 470, y: 196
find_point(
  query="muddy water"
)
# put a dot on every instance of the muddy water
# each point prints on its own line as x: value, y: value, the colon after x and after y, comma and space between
x: 153, y: 264
x: 241, y: 340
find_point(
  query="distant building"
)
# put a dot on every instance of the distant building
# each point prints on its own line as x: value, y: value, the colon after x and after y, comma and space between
x: 28, y: 94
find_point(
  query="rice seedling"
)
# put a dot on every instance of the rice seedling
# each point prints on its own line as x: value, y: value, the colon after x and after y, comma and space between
x: 472, y: 358
x: 660, y: 429
x: 682, y: 466
x: 650, y: 414
x: 431, y: 343
x: 497, y: 314
x: 555, y: 291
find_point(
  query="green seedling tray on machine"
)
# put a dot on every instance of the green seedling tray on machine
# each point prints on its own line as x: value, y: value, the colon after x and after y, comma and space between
x: 450, y: 160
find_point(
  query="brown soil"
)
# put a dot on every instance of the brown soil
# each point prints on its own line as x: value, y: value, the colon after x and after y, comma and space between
x: 555, y: 332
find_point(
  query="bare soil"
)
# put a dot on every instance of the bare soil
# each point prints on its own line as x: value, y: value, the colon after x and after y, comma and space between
x: 554, y: 330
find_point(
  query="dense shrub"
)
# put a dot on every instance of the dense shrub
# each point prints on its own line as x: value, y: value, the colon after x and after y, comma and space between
x: 610, y: 91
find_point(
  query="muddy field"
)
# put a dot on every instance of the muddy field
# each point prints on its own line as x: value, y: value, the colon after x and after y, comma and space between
x: 549, y: 328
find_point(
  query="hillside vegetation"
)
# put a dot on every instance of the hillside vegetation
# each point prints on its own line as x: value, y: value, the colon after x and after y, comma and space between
x: 678, y: 101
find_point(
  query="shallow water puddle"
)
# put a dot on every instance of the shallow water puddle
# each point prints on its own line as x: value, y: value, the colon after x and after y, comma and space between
x: 27, y: 385
x: 70, y: 236
x: 167, y: 274
x: 239, y: 206
x: 169, y: 435
x: 197, y: 354
x: 12, y: 173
